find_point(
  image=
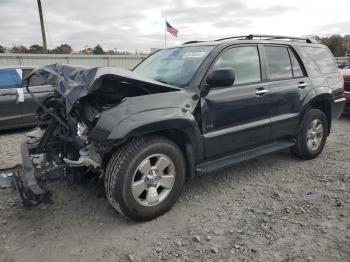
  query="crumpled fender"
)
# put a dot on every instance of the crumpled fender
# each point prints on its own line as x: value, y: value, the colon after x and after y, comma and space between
x: 137, y: 116
x: 157, y: 120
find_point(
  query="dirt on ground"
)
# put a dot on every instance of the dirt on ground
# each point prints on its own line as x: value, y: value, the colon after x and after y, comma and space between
x: 274, y: 208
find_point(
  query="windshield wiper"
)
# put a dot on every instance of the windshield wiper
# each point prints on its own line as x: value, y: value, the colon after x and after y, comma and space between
x: 162, y: 81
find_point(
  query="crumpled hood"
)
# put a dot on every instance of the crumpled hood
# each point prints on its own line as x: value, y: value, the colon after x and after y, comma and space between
x: 74, y: 82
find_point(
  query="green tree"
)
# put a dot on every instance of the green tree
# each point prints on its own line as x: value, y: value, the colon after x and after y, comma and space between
x: 110, y: 52
x: 2, y: 49
x: 98, y: 50
x: 336, y: 43
x: 62, y: 49
x: 19, y: 49
x: 346, y: 43
x: 36, y: 49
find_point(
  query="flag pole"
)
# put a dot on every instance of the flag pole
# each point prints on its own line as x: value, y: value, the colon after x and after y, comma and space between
x: 164, y: 32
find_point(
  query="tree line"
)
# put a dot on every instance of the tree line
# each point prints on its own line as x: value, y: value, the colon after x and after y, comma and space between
x: 339, y: 45
x: 62, y: 49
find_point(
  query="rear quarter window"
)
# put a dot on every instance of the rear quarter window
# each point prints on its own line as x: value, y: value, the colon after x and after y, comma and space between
x: 318, y: 60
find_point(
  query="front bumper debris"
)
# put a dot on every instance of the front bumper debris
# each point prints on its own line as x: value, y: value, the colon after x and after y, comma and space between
x: 6, y: 177
x: 22, y: 177
x: 28, y: 188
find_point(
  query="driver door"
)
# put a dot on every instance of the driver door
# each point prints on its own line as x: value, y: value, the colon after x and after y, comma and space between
x: 236, y: 118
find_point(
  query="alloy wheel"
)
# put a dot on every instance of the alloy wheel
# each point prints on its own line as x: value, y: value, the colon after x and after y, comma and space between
x: 314, y: 135
x: 153, y: 180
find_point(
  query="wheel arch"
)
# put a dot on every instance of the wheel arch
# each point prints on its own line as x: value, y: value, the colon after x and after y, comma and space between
x: 321, y: 101
x: 179, y: 127
x: 326, y: 107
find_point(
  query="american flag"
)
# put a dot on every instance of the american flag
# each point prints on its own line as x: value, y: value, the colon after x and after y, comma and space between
x: 170, y: 29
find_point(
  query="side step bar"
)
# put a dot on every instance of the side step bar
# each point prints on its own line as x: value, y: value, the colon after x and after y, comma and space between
x: 211, y: 166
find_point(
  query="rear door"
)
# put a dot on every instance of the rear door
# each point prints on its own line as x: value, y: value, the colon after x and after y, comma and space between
x: 10, y: 110
x: 288, y: 85
x: 237, y: 117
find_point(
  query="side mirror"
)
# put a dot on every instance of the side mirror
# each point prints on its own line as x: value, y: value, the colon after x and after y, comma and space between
x: 221, y: 77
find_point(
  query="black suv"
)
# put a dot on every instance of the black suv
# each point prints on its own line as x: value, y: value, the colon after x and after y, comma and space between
x: 183, y: 111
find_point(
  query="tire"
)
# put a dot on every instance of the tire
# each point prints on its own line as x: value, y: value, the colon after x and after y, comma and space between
x: 309, y: 142
x: 128, y: 172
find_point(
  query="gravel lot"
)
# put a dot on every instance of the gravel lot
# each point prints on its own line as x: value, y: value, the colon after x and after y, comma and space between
x: 275, y: 208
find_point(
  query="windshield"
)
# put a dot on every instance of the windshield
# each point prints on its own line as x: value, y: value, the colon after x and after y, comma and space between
x: 175, y: 66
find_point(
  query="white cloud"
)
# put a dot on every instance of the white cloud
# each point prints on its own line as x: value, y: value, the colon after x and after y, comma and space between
x: 139, y: 24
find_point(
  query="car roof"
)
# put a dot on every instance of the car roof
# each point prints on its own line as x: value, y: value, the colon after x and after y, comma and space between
x: 17, y: 67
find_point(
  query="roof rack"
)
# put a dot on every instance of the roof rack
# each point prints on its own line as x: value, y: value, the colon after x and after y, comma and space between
x: 271, y: 37
x: 192, y: 42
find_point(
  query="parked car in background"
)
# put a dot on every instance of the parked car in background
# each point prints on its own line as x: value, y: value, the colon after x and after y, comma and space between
x: 346, y: 75
x: 17, y: 107
x: 343, y: 66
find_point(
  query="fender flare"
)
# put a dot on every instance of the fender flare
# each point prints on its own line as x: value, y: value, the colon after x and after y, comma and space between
x: 152, y: 121
x: 314, y: 96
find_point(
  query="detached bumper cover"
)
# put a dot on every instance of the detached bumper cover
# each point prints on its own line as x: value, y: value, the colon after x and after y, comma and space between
x: 26, y: 184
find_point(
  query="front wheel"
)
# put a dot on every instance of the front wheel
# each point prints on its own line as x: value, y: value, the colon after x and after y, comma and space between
x: 145, y: 177
x: 312, y: 136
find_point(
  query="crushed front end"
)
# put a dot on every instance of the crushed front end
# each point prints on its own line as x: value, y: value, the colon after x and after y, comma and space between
x: 75, y: 121
x: 56, y: 150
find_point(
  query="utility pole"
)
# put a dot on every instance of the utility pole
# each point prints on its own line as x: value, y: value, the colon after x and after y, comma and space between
x: 42, y: 26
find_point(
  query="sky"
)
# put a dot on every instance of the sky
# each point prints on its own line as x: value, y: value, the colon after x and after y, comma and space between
x: 139, y: 24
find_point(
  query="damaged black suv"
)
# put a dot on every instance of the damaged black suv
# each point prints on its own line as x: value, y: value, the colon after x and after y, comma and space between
x: 183, y: 111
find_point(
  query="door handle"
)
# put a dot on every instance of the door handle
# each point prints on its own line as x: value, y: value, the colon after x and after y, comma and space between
x: 302, y: 85
x: 261, y: 92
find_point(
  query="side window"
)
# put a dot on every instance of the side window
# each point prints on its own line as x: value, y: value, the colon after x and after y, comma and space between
x: 278, y: 62
x: 297, y: 72
x: 245, y: 62
x: 26, y: 72
x: 35, y: 80
x: 10, y: 78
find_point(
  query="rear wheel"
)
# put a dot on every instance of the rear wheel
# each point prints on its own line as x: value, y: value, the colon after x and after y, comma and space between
x: 145, y: 177
x: 313, y: 135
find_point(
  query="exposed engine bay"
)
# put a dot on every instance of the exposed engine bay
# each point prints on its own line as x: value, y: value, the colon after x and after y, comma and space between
x: 67, y: 142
